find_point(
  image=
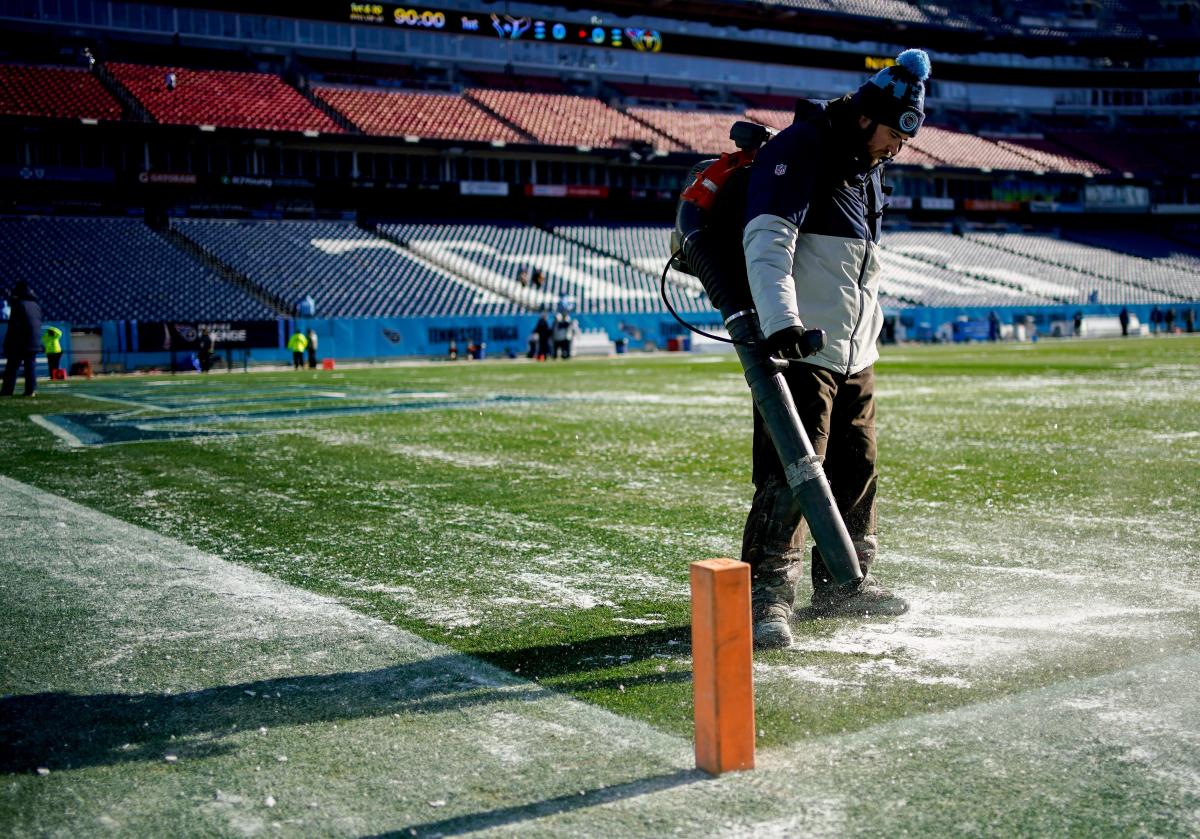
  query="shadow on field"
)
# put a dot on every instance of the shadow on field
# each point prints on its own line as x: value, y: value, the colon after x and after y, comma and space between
x: 569, y: 658
x: 67, y: 731
x: 471, y: 822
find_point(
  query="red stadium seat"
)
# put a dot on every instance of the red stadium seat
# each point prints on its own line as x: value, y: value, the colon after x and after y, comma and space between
x: 441, y: 116
x: 60, y: 92
x: 222, y: 98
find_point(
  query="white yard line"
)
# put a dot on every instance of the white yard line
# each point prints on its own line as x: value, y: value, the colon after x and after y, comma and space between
x: 449, y: 745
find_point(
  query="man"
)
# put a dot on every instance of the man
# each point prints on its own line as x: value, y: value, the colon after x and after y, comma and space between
x: 545, y: 332
x: 52, y: 344
x: 207, y: 345
x: 298, y: 343
x: 312, y: 348
x: 812, y: 226
x: 565, y: 331
x: 23, y: 340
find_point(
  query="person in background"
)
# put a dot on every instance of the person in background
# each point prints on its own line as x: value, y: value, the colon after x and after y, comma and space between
x: 5, y: 309
x: 544, y: 334
x: 312, y: 348
x: 565, y: 330
x: 1124, y: 319
x: 170, y: 80
x: 298, y: 343
x: 1169, y: 319
x: 206, y: 345
x: 22, y: 340
x: 1077, y: 324
x: 52, y: 344
x: 1189, y: 320
x: 1156, y: 317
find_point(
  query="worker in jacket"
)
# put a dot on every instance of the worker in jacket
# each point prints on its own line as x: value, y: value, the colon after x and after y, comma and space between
x: 298, y: 343
x: 811, y: 241
x: 21, y: 340
x: 52, y: 344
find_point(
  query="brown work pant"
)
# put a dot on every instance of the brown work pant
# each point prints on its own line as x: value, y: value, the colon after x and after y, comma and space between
x: 838, y: 412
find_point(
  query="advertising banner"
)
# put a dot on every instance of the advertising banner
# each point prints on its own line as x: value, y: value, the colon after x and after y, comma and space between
x: 184, y: 336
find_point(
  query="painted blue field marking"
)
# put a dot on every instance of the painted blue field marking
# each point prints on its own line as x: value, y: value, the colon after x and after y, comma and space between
x: 104, y: 429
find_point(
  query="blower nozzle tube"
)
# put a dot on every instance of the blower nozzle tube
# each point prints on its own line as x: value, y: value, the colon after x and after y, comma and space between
x: 722, y: 272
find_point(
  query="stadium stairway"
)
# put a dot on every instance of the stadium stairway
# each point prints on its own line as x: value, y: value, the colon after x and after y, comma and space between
x: 496, y: 115
x: 676, y: 278
x: 228, y: 273
x: 468, y: 272
x: 305, y: 90
x: 134, y: 109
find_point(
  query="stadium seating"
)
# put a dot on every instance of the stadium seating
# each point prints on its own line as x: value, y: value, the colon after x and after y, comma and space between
x: 957, y: 148
x: 598, y: 282
x: 439, y: 116
x: 222, y: 98
x: 983, y: 257
x: 87, y: 270
x: 564, y: 120
x: 645, y: 247
x: 1141, y: 257
x: 348, y: 271
x: 699, y: 131
x: 1050, y: 156
x: 59, y: 92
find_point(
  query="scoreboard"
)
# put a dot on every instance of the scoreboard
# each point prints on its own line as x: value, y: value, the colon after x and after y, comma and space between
x: 507, y: 27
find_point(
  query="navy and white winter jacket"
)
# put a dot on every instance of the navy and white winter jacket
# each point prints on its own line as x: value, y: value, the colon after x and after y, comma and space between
x: 811, y: 239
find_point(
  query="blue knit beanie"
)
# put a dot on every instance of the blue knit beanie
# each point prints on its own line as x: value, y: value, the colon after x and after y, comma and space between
x: 895, y: 96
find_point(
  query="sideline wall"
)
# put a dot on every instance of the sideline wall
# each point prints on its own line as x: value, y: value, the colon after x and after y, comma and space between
x: 367, y: 339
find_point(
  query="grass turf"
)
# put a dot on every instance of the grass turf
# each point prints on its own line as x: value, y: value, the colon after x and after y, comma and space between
x: 1031, y: 497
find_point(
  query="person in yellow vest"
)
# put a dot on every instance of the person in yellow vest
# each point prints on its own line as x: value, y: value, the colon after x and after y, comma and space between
x: 298, y: 343
x: 52, y: 344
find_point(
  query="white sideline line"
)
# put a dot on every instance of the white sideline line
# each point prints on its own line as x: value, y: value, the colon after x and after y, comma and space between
x: 57, y: 430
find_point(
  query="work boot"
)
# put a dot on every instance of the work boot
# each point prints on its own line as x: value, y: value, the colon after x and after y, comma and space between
x: 866, y: 597
x: 771, y: 544
x: 771, y: 610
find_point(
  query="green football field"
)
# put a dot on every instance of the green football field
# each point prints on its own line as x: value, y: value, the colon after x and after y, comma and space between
x: 471, y: 580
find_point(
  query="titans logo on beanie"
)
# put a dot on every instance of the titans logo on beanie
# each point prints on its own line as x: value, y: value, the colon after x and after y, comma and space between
x: 895, y: 96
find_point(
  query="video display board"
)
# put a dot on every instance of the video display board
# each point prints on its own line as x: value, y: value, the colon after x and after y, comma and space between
x: 506, y: 26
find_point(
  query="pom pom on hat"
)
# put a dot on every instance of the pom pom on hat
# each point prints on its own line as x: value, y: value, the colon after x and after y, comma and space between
x: 915, y: 62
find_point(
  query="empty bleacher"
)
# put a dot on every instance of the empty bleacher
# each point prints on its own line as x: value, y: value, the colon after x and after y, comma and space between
x: 1143, y: 257
x: 1050, y: 156
x: 439, y: 116
x: 87, y: 270
x: 565, y: 120
x: 645, y: 247
x: 706, y: 132
x: 979, y: 256
x: 598, y: 282
x: 348, y: 271
x: 960, y: 149
x: 222, y: 98
x: 56, y: 92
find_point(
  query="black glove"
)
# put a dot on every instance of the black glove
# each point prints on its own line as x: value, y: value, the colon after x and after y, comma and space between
x: 796, y: 342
